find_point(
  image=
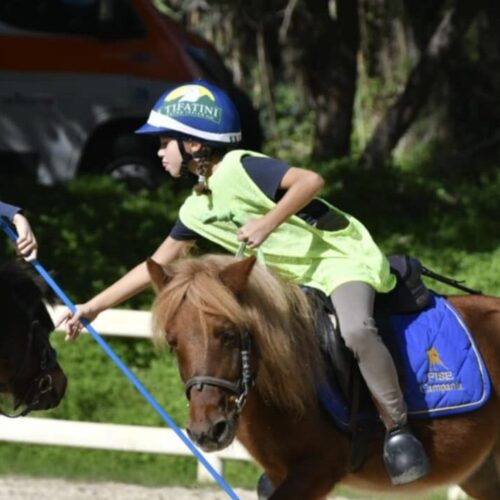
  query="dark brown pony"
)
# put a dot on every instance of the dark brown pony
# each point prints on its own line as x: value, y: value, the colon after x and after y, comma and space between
x: 227, y: 319
x: 30, y: 376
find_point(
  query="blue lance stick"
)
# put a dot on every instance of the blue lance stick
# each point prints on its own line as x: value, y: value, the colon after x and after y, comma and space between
x: 135, y: 381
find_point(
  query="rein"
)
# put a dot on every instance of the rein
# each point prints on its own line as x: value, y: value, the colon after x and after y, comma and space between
x: 240, y: 388
x: 449, y: 281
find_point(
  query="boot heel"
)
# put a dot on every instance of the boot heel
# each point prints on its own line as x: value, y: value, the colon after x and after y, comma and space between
x: 404, y: 456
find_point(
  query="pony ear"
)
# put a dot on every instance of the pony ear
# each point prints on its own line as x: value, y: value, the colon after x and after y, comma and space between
x: 159, y: 276
x: 235, y: 276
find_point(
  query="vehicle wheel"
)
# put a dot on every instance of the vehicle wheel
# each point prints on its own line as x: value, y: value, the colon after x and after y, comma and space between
x: 135, y: 172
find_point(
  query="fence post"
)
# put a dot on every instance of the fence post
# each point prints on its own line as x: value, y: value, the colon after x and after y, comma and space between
x: 202, y: 474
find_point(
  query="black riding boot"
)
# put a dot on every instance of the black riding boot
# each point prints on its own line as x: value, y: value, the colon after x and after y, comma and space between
x: 404, y: 456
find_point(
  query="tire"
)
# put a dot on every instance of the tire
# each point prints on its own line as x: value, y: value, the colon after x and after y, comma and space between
x: 135, y: 172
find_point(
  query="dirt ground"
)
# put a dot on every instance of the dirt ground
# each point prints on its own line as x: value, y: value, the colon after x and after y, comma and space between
x: 16, y: 488
x: 20, y: 488
x: 25, y: 488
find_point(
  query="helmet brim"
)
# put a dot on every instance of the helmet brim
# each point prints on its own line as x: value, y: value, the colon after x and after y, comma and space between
x: 151, y: 129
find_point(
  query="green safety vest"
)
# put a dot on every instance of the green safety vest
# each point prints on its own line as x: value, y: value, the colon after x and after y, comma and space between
x: 319, y: 258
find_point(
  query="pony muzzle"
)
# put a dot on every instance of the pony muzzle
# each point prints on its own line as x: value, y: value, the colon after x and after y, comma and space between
x: 212, y: 418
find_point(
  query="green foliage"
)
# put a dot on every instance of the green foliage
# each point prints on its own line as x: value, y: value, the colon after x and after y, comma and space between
x: 292, y: 139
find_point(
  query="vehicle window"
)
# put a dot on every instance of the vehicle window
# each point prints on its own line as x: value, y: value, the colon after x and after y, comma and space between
x: 51, y: 16
x: 100, y: 18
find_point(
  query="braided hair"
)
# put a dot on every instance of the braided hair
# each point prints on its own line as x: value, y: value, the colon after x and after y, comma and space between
x: 205, y: 159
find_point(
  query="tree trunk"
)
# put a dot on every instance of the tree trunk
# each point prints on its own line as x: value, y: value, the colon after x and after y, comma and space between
x: 419, y: 84
x: 327, y: 50
x: 334, y: 85
x: 376, y: 39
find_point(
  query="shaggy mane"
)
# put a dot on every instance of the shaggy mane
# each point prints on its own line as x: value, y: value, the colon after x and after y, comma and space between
x: 276, y: 313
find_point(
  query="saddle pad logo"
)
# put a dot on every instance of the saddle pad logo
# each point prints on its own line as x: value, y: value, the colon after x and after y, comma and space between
x: 434, y: 358
x: 438, y: 377
x: 192, y: 100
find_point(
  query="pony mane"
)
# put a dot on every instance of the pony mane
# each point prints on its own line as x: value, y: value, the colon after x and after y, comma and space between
x: 19, y: 284
x: 19, y: 276
x: 276, y: 312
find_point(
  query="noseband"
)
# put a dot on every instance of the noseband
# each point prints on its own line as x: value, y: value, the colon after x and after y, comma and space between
x: 42, y: 382
x: 240, y: 388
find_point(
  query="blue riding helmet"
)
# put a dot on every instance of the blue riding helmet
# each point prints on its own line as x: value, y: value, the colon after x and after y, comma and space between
x: 195, y: 110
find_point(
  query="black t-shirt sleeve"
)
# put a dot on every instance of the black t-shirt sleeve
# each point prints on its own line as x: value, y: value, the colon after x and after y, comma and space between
x: 180, y: 232
x: 266, y: 173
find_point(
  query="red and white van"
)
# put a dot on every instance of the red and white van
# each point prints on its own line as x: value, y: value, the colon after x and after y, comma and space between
x: 77, y: 77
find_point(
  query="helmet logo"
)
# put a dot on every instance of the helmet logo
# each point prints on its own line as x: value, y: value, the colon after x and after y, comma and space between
x: 192, y: 100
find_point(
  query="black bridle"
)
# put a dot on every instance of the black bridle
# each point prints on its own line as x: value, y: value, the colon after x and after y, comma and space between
x: 41, y: 383
x: 240, y: 388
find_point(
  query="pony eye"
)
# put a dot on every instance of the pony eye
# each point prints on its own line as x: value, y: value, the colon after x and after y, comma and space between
x: 228, y: 337
x: 172, y: 344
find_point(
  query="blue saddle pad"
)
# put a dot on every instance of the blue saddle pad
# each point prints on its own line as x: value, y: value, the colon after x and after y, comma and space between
x: 441, y: 369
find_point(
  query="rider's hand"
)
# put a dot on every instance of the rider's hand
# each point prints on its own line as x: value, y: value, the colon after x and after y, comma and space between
x: 26, y: 242
x: 255, y: 231
x: 73, y: 325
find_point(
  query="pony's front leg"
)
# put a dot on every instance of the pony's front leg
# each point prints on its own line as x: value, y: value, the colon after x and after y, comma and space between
x: 311, y: 480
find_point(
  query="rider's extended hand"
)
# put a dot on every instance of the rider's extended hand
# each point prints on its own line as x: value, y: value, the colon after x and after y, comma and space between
x: 73, y: 325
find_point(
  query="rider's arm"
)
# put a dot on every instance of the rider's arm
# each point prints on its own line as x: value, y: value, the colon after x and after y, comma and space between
x: 136, y: 280
x: 300, y: 186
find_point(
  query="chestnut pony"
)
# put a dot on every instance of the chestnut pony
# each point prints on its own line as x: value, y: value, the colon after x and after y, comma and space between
x: 248, y: 354
x: 30, y: 376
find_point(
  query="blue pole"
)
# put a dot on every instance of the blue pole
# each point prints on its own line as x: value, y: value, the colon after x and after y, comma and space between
x: 125, y: 370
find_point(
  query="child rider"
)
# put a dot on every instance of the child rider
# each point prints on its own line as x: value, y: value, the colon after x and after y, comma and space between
x: 304, y: 238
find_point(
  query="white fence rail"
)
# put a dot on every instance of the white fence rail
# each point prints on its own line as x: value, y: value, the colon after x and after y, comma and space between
x: 123, y: 323
x: 133, y: 324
